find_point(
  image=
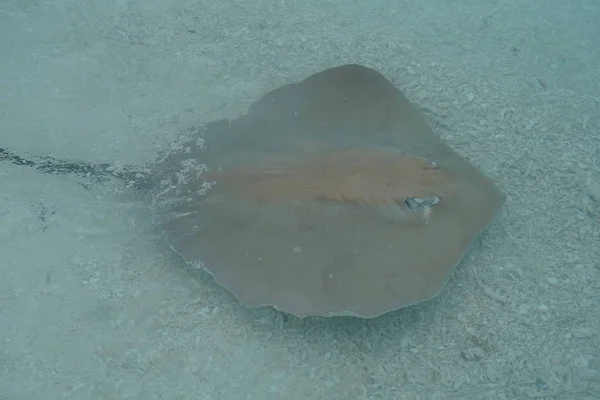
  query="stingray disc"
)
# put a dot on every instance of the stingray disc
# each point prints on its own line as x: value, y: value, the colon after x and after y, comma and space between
x: 331, y: 196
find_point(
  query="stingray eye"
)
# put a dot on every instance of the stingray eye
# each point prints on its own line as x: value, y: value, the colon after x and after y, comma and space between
x: 421, y: 203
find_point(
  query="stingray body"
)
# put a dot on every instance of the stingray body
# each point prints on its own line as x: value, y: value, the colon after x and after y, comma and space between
x: 330, y: 196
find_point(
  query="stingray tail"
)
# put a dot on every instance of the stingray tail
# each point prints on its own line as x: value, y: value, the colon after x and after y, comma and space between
x: 98, y: 172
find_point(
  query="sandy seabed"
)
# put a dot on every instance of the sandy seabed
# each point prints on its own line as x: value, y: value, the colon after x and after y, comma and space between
x: 92, y: 306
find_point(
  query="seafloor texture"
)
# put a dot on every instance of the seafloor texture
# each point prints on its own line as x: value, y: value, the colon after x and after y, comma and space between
x: 93, y: 304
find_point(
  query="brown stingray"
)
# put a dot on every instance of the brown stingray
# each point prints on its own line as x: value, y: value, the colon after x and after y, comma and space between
x: 331, y: 196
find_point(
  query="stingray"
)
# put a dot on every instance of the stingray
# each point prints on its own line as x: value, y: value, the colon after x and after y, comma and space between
x: 329, y: 196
